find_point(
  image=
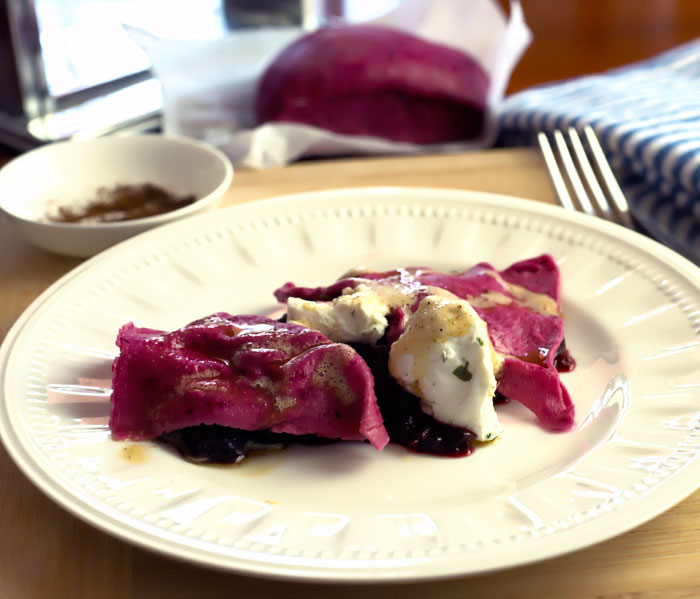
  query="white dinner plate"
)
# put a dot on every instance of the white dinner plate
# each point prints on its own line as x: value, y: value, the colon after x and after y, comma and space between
x: 346, y: 512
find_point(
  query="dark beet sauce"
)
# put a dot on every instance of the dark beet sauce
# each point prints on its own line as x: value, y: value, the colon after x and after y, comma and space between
x: 224, y: 445
x: 405, y: 422
x: 499, y: 398
x: 564, y: 361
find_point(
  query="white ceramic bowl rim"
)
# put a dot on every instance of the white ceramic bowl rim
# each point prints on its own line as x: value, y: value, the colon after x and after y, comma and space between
x: 154, y: 220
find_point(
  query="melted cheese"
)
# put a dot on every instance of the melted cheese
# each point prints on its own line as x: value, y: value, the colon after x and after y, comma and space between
x: 357, y: 315
x: 445, y: 357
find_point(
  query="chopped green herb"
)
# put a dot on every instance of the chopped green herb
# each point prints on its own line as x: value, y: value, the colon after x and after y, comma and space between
x: 462, y: 372
x: 444, y: 355
x: 480, y: 341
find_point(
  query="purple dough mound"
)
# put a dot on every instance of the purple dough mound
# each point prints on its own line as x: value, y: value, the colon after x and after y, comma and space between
x: 370, y: 80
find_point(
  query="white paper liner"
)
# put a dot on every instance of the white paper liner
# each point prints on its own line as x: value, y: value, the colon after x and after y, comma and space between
x: 209, y: 87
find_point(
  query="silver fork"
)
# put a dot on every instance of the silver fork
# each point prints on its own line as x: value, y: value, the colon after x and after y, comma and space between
x: 586, y: 169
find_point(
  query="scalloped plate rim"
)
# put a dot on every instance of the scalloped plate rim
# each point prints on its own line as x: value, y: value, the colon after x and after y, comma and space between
x: 114, y: 523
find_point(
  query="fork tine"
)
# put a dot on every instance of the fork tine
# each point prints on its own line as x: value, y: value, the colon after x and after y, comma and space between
x: 574, y: 178
x: 590, y: 163
x: 584, y: 165
x: 554, y: 173
x: 613, y: 187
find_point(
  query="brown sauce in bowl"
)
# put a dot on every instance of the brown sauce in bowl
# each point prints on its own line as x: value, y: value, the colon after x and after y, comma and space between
x: 123, y: 202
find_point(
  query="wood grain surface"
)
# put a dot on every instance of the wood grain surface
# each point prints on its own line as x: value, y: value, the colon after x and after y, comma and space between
x: 577, y: 37
x: 47, y: 553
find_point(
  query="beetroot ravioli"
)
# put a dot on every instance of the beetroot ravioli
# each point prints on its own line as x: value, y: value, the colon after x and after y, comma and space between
x: 521, y: 307
x: 410, y: 356
x: 241, y: 372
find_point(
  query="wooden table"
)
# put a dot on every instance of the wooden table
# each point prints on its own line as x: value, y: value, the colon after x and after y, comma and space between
x: 47, y: 553
x: 577, y: 37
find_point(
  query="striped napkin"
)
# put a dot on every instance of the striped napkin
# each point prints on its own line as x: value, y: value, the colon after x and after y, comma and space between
x: 647, y: 116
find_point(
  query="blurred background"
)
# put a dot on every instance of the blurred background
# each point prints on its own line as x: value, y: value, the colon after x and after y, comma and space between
x: 68, y: 67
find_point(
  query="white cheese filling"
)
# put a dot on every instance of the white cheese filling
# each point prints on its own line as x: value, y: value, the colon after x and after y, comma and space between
x: 357, y: 315
x: 445, y: 357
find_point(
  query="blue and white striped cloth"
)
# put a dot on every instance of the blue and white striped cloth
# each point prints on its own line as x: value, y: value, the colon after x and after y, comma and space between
x: 647, y: 116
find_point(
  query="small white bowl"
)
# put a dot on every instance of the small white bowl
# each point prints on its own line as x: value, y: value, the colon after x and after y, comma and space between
x: 69, y: 173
